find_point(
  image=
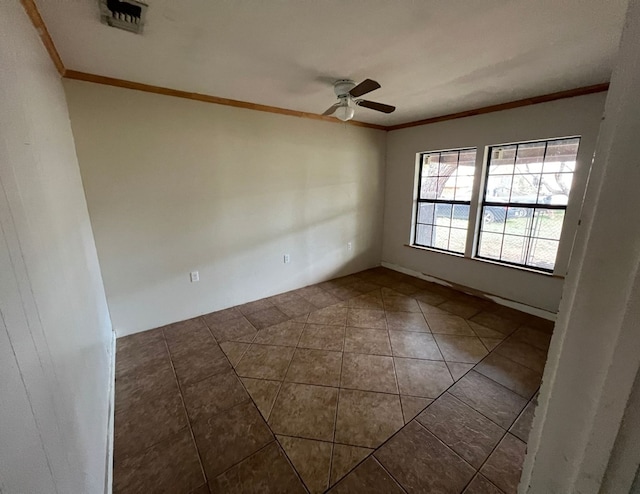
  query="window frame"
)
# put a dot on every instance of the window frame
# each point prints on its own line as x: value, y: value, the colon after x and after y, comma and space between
x: 451, y: 202
x: 521, y: 205
x: 477, y: 204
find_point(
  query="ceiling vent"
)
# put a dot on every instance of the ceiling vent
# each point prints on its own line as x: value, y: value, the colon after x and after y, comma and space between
x: 127, y: 15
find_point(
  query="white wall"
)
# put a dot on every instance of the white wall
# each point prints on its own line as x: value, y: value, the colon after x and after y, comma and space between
x: 55, y: 333
x: 175, y: 185
x: 575, y: 116
x: 585, y: 432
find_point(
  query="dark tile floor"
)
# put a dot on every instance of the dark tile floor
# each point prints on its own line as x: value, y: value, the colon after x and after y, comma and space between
x: 374, y: 382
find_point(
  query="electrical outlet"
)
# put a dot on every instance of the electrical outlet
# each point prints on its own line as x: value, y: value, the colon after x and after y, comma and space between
x: 287, y: 258
x: 349, y: 246
x: 195, y: 276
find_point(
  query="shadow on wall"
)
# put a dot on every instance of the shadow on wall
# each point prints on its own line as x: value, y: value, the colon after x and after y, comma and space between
x: 224, y: 191
x: 314, y: 237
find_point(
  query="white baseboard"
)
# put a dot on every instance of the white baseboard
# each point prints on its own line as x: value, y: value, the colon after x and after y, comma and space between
x: 535, y: 311
x: 111, y: 417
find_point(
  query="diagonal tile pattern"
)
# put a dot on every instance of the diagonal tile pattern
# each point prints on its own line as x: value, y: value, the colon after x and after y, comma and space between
x: 373, y: 382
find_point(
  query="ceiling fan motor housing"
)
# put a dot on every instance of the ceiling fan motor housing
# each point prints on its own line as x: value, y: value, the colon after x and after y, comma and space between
x: 343, y: 86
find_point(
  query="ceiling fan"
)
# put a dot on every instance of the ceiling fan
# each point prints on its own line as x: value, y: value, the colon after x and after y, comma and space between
x: 347, y: 91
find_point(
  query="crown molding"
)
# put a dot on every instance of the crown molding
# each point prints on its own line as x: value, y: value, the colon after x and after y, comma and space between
x: 545, y: 98
x: 111, y: 81
x: 36, y: 19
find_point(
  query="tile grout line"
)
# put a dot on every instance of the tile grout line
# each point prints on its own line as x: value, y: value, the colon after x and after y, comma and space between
x: 445, y: 363
x: 283, y: 378
x: 395, y: 371
x: 237, y: 405
x: 274, y: 440
x: 493, y: 450
x: 501, y: 385
x: 386, y: 355
x: 219, y: 343
x: 184, y: 406
x: 479, y: 474
x: 476, y: 470
x: 275, y: 399
x: 524, y: 343
x: 154, y: 444
x: 249, y: 394
x: 372, y: 454
x: 335, y: 418
x: 265, y: 420
x: 337, y: 404
x: 337, y: 407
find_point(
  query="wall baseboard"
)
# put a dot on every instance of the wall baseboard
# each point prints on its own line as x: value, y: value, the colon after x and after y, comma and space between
x: 535, y: 311
x: 108, y: 487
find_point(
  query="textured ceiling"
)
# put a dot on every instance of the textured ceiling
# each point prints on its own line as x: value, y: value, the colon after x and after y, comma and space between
x: 431, y: 57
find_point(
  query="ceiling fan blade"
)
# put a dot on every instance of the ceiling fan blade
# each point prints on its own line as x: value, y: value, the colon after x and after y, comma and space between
x: 376, y: 106
x: 331, y: 109
x: 364, y: 87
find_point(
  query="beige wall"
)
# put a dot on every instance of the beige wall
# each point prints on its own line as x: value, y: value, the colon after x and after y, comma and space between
x: 575, y: 116
x: 175, y: 185
x: 55, y: 333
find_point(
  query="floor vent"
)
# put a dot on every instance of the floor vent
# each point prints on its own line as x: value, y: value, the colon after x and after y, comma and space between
x: 127, y: 15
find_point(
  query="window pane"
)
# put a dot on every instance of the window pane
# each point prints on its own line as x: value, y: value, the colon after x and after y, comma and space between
x: 460, y: 213
x: 559, y: 166
x: 543, y: 253
x: 490, y: 245
x: 467, y: 159
x: 431, y: 169
x: 424, y: 235
x: 518, y: 221
x: 443, y: 214
x: 467, y: 169
x: 425, y: 212
x: 547, y: 223
x: 457, y: 240
x: 450, y: 157
x: 502, y: 160
x: 463, y: 194
x: 525, y: 188
x: 555, y: 188
x: 429, y: 189
x: 441, y: 237
x: 498, y: 188
x: 493, y: 218
x: 514, y: 249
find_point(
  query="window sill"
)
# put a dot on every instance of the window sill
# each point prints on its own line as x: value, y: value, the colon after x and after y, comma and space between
x: 429, y: 249
x: 487, y: 261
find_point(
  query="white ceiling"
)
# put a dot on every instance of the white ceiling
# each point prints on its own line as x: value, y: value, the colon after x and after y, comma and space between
x: 432, y: 57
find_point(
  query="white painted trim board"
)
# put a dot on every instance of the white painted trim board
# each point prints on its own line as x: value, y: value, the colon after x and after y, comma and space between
x: 535, y: 311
